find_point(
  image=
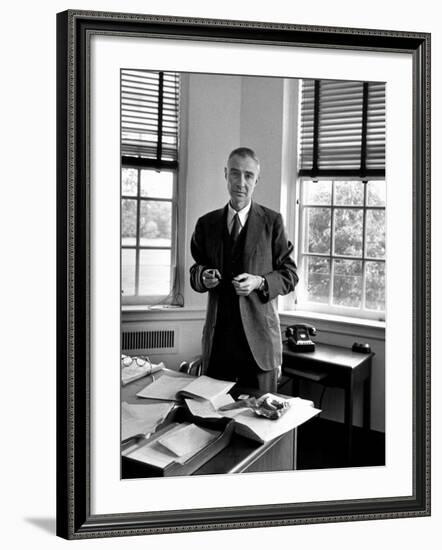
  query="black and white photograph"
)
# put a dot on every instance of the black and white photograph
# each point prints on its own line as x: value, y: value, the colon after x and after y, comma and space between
x: 253, y: 273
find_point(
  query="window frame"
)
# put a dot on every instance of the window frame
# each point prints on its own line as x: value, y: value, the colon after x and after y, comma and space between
x: 330, y: 308
x: 309, y: 130
x: 177, y: 167
x: 153, y: 299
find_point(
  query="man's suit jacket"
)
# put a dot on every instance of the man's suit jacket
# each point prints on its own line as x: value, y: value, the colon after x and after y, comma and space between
x: 267, y: 253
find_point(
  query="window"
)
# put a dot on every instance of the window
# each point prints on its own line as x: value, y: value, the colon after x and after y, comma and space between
x: 149, y: 161
x: 342, y: 199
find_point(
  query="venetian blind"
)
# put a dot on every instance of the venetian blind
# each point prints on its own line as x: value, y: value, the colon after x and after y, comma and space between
x: 342, y: 129
x: 149, y: 114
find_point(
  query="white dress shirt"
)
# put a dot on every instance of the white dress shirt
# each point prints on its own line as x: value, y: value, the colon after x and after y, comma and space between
x: 242, y: 215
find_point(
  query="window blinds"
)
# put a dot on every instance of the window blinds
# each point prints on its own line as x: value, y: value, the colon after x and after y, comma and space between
x: 149, y: 114
x: 342, y: 129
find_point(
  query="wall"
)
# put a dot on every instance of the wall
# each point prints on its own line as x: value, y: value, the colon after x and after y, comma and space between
x: 261, y: 129
x: 214, y: 114
x: 28, y: 485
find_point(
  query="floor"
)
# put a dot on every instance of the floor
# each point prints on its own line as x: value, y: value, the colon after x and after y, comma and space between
x: 321, y: 444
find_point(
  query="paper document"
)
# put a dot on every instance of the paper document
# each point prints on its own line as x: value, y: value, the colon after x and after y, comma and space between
x: 205, y: 387
x: 262, y: 429
x: 142, y: 419
x: 205, y: 409
x: 188, y: 440
x: 165, y: 388
x: 156, y: 454
x: 153, y: 452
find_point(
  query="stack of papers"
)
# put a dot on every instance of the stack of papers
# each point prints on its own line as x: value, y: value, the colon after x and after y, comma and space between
x: 178, y: 444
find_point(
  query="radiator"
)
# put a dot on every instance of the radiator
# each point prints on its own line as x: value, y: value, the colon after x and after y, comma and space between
x: 158, y: 340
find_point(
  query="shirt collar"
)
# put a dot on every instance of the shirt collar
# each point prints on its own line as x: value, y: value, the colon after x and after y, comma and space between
x: 242, y: 214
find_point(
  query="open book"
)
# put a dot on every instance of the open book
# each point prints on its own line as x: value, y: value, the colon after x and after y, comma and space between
x: 172, y: 388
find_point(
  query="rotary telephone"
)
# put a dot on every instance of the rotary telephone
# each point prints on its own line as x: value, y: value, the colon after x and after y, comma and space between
x: 298, y: 337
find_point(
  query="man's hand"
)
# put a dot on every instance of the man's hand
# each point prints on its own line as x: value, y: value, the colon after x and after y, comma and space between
x: 245, y: 283
x: 211, y: 278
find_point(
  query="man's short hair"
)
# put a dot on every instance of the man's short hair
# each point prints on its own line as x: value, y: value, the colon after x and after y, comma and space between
x: 244, y: 152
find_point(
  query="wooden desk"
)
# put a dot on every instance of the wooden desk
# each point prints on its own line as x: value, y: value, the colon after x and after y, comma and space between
x: 241, y: 455
x: 334, y: 366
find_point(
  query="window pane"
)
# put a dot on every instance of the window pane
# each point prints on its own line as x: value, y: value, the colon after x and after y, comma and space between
x: 128, y: 271
x: 375, y: 234
x: 158, y: 185
x: 317, y: 230
x: 155, y: 223
x: 317, y: 192
x: 347, y: 283
x: 129, y: 182
x: 348, y: 232
x: 376, y: 193
x: 349, y: 193
x: 318, y: 279
x: 128, y: 222
x: 154, y: 272
x: 375, y: 286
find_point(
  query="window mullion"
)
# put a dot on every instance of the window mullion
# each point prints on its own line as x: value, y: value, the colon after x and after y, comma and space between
x: 332, y: 230
x: 364, y: 228
x: 160, y: 116
x: 137, y: 251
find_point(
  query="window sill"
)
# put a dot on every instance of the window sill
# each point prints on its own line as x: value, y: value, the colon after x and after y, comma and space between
x: 165, y: 312
x: 366, y: 328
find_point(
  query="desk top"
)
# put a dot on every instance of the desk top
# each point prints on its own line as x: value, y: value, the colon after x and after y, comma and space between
x: 237, y: 457
x: 334, y: 355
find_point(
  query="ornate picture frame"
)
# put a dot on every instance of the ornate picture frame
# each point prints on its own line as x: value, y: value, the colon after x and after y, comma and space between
x: 75, y: 516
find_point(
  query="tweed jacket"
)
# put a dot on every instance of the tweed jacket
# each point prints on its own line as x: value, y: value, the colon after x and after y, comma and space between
x: 267, y: 252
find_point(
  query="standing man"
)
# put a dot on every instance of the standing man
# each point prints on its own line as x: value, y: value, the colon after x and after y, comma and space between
x: 242, y: 259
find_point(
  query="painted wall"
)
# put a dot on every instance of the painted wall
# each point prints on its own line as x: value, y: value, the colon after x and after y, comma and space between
x: 261, y: 129
x: 213, y: 130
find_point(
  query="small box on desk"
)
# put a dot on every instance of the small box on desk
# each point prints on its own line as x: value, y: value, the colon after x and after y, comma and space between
x: 137, y: 467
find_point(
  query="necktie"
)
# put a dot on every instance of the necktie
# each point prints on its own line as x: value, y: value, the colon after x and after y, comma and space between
x: 236, y: 228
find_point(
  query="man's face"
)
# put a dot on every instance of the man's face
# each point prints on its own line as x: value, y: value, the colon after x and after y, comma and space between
x: 241, y: 174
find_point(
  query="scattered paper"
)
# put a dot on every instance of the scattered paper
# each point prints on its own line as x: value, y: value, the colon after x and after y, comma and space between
x: 201, y: 408
x: 262, y: 429
x: 142, y: 419
x: 156, y: 454
x: 153, y: 453
x: 205, y: 387
x: 188, y: 440
x: 205, y: 409
x: 221, y: 400
x: 165, y: 388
